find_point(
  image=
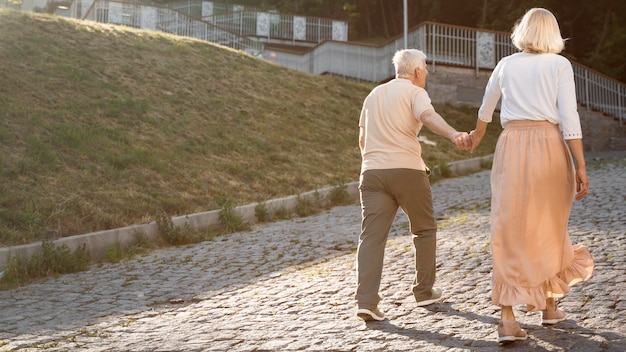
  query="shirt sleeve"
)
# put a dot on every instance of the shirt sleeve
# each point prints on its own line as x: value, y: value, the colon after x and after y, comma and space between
x: 421, y: 103
x: 363, y: 114
x: 566, y: 103
x: 493, y: 92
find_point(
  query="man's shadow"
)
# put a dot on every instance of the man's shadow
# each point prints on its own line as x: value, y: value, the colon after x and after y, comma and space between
x: 438, y: 338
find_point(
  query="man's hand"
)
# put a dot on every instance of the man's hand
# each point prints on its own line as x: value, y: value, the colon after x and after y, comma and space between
x: 462, y: 140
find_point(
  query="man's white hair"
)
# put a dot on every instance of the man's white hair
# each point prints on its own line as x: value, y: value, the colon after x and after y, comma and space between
x: 407, y: 60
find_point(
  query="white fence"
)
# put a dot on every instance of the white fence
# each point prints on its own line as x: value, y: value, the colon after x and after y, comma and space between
x: 162, y: 19
x: 267, y: 26
x: 274, y: 26
x: 443, y: 44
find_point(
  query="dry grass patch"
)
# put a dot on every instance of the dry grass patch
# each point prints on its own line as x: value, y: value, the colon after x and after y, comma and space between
x: 104, y: 126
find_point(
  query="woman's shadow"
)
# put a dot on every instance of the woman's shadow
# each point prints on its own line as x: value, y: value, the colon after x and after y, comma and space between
x: 565, y: 336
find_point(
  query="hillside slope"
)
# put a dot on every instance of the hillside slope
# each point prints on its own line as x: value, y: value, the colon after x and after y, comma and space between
x: 104, y: 126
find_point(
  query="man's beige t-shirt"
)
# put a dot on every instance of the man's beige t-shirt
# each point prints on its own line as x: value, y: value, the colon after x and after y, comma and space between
x: 391, y: 118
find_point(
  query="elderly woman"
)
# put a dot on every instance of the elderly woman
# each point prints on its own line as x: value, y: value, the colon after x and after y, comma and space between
x: 534, y: 180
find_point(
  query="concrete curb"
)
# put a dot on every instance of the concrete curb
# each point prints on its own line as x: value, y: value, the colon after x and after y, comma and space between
x: 97, y: 243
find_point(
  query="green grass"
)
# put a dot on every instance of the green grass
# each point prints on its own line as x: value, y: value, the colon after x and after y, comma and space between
x: 105, y: 126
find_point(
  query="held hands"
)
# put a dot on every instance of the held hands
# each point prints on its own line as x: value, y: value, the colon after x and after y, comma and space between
x: 462, y: 140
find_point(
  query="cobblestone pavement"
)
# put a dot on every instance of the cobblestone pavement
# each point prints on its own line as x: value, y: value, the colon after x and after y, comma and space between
x: 289, y: 285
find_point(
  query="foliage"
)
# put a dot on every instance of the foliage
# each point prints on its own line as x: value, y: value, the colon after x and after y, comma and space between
x: 261, y: 212
x: 49, y: 260
x: 175, y: 235
x: 339, y: 195
x: 305, y: 206
x: 230, y: 220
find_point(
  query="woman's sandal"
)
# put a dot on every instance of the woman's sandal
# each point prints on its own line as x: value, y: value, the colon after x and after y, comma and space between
x: 551, y: 317
x: 509, y: 331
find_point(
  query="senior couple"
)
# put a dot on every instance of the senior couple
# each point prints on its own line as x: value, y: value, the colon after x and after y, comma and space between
x: 538, y: 171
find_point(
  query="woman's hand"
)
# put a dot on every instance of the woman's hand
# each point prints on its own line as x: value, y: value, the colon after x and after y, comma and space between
x: 476, y: 137
x: 582, y: 183
x: 477, y: 134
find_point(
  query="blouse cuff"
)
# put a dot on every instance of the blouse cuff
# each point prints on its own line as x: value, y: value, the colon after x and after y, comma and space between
x: 575, y: 135
x: 485, y: 118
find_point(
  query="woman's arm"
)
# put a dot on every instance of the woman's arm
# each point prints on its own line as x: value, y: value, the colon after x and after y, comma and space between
x: 582, y: 183
x: 478, y: 133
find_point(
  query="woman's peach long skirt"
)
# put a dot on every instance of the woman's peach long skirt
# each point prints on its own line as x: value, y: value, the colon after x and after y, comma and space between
x: 533, y: 185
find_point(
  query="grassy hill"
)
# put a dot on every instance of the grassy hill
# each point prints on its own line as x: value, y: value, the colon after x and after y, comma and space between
x: 104, y: 126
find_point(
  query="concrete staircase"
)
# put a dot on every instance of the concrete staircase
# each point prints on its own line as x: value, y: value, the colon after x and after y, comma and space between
x: 601, y: 132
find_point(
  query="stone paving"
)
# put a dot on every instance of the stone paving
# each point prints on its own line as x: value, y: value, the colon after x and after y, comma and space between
x: 289, y: 285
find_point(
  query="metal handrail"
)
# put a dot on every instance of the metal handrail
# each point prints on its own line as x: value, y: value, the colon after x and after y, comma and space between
x: 266, y: 25
x: 276, y: 26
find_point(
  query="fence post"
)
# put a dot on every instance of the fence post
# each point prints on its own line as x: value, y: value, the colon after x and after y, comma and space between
x: 433, y: 45
x: 476, y: 51
x: 620, y: 112
x: 587, y: 90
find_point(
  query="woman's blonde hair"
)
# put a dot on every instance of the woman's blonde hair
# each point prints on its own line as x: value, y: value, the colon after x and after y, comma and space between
x: 538, y: 32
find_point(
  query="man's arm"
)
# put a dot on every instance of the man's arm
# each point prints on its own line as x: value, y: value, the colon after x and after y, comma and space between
x: 434, y: 122
x: 361, y: 138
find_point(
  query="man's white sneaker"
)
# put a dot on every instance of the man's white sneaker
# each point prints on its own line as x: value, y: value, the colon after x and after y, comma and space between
x: 370, y: 314
x: 434, y: 297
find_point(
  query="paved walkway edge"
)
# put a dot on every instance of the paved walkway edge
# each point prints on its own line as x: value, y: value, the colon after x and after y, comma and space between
x: 97, y: 243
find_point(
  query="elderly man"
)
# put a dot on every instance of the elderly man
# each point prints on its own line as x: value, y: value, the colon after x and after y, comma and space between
x: 394, y: 175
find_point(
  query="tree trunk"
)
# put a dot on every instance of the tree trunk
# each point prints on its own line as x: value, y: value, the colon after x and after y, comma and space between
x: 483, y: 17
x: 605, y: 26
x: 384, y: 16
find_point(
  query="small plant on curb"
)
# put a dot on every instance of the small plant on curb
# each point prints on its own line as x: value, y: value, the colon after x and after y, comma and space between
x: 230, y: 220
x: 339, y: 195
x: 444, y: 169
x: 440, y: 171
x: 175, y: 235
x: 486, y: 164
x: 142, y: 244
x: 49, y: 260
x: 281, y: 214
x: 114, y: 253
x: 306, y: 207
x: 262, y: 213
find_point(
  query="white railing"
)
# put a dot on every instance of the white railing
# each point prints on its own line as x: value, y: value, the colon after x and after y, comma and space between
x: 160, y: 19
x: 601, y: 93
x: 275, y: 26
x: 200, y: 8
x: 269, y: 26
x: 443, y: 44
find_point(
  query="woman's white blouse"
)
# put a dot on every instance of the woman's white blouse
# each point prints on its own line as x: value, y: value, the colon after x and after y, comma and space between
x: 534, y: 87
